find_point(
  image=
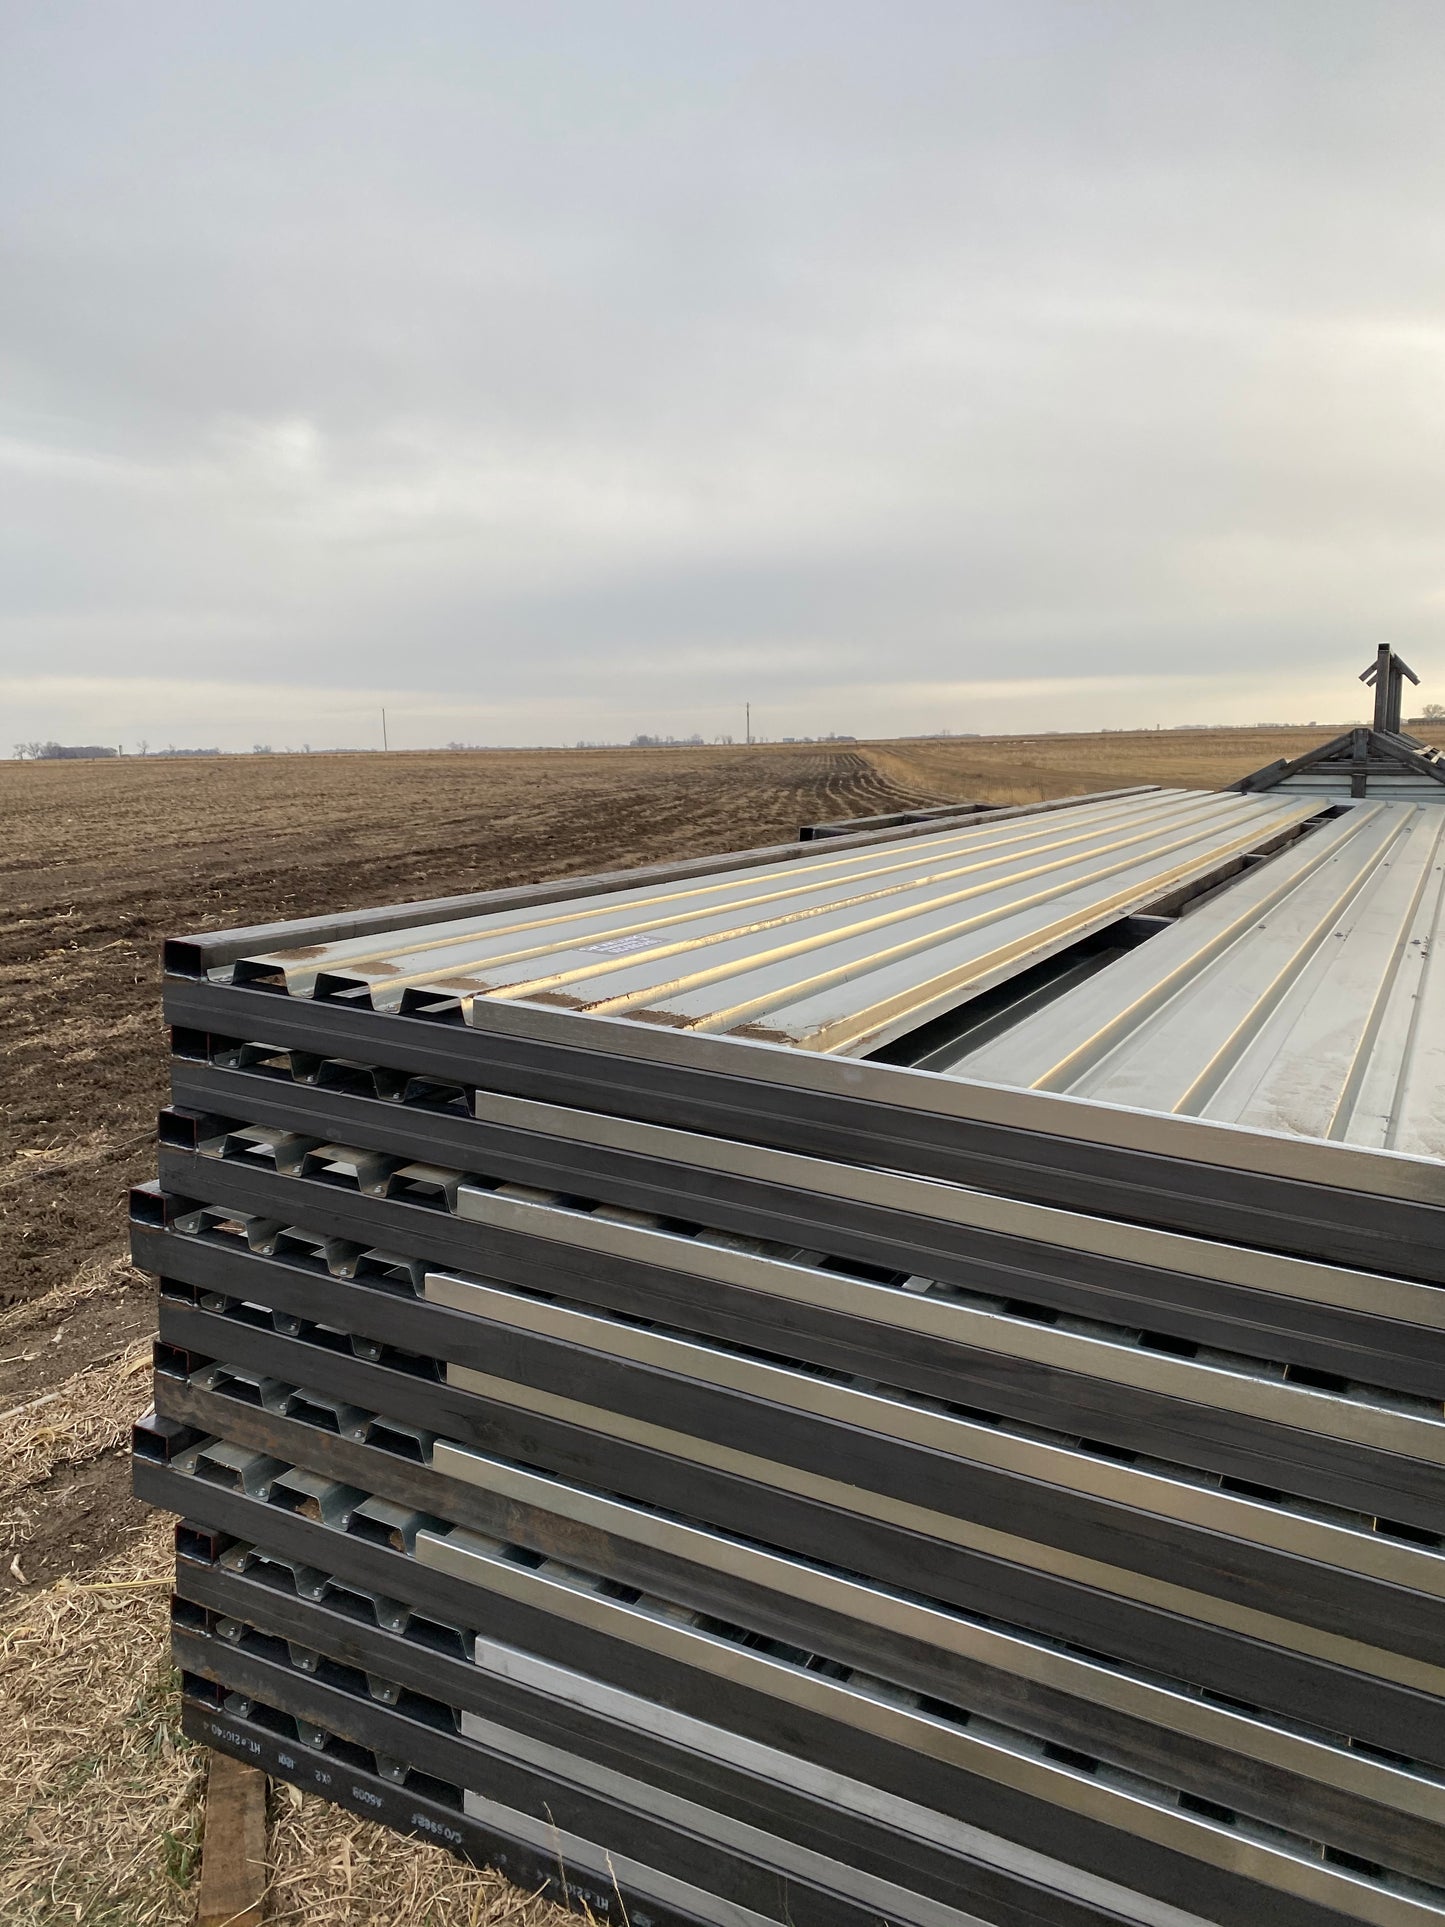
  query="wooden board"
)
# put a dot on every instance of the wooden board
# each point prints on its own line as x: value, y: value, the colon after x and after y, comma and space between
x: 233, y: 1856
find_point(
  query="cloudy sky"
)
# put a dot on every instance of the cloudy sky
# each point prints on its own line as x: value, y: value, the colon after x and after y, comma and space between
x: 554, y: 371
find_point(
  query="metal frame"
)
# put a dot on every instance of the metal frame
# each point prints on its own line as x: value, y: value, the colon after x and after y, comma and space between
x: 1287, y: 1779
x: 1357, y: 754
x: 530, y: 1823
x: 1302, y: 996
x: 873, y: 1833
x: 902, y: 1771
x: 194, y: 956
x: 1335, y: 1202
x: 551, y: 1289
x: 1337, y: 1684
x: 1381, y: 1330
x: 843, y: 955
x: 496, y: 1842
x: 1277, y: 1587
x: 502, y: 1751
x: 874, y: 1756
x: 1016, y: 1366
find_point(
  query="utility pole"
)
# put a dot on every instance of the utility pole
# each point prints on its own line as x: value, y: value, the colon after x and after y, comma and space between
x: 384, y: 744
x: 749, y: 709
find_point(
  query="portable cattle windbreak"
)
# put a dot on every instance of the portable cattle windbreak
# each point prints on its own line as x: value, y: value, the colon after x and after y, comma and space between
x: 896, y: 1378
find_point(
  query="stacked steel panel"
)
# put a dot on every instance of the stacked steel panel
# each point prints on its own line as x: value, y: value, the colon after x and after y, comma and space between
x: 732, y: 1483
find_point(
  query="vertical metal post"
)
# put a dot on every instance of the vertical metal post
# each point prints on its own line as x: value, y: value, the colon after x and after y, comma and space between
x: 1384, y: 676
x: 384, y: 744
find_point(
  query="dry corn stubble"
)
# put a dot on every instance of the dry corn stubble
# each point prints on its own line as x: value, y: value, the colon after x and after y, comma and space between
x: 101, y: 1799
x: 98, y: 1793
x: 37, y: 1317
x: 331, y: 1868
x: 88, y: 1415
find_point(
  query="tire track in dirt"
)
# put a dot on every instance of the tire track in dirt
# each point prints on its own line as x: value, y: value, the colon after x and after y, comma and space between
x: 859, y: 785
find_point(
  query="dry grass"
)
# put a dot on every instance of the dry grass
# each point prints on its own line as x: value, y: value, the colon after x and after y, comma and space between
x: 1027, y: 769
x: 330, y: 1868
x: 87, y: 1416
x: 47, y: 1314
x: 101, y: 1798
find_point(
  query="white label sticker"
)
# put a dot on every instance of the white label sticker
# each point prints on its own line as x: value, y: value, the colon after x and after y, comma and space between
x: 619, y: 946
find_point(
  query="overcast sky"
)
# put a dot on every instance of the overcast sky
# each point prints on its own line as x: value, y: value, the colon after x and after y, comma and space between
x: 558, y: 371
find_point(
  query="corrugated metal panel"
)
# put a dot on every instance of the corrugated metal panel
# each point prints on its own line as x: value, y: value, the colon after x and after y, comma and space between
x: 1389, y: 789
x: 1305, y: 998
x: 834, y: 953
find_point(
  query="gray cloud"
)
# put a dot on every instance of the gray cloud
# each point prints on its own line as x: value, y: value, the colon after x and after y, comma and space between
x: 555, y: 370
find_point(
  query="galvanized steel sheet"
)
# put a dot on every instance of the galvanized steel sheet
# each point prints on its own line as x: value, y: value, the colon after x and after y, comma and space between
x: 832, y: 953
x: 1305, y: 998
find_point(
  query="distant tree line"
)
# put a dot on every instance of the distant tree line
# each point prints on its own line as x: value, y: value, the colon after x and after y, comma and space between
x: 58, y: 752
x: 84, y: 752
